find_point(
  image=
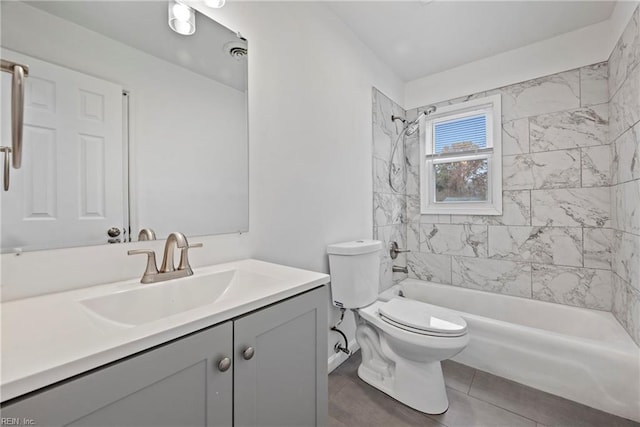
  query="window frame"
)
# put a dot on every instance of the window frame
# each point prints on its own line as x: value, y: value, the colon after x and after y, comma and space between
x: 492, y: 108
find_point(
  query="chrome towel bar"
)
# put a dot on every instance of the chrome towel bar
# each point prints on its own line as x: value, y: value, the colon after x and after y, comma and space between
x: 19, y: 72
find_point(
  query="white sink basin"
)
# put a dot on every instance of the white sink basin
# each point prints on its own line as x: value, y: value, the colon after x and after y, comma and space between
x: 146, y: 303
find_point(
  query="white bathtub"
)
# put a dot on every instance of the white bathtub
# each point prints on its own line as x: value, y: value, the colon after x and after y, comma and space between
x: 580, y: 354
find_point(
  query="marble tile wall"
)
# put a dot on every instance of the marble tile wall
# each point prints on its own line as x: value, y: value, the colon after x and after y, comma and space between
x: 553, y: 241
x: 389, y: 188
x: 624, y: 145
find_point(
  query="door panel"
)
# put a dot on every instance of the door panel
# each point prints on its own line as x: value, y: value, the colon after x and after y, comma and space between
x: 69, y: 188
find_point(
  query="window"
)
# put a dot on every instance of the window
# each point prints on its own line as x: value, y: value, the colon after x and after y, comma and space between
x: 461, y: 170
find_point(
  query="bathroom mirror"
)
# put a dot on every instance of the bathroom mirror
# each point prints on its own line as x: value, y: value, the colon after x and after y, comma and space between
x: 127, y: 125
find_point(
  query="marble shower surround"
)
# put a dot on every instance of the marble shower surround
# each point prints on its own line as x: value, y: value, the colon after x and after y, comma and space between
x: 389, y: 206
x: 624, y: 144
x: 553, y: 240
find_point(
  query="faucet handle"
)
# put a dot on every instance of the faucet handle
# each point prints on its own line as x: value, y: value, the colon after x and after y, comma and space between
x: 394, y: 250
x: 141, y: 251
x: 152, y: 267
x: 184, y: 256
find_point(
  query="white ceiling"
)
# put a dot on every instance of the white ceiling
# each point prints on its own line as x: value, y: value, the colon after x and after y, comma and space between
x: 143, y: 25
x: 415, y: 38
x: 419, y: 38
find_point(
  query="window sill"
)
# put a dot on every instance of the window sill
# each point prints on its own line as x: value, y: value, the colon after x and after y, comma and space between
x: 466, y: 210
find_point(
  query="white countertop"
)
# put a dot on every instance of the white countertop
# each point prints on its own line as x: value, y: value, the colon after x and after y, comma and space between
x: 50, y: 338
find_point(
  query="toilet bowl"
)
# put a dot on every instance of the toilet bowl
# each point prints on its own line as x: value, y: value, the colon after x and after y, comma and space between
x: 402, y: 341
x: 402, y: 358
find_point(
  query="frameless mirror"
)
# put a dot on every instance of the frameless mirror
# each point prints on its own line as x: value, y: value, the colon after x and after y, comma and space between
x: 127, y: 125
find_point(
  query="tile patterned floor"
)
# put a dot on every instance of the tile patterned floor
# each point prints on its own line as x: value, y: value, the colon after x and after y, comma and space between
x: 476, y: 398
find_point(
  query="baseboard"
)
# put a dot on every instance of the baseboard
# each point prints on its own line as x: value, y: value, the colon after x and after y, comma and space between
x: 337, y: 359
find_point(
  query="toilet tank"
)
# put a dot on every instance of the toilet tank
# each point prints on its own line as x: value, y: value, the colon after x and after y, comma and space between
x: 355, y: 272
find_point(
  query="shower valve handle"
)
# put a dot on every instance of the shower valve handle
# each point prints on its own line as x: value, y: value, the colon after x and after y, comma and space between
x: 394, y: 250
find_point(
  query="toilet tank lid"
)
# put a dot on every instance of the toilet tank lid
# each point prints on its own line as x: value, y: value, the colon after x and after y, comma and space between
x: 355, y: 247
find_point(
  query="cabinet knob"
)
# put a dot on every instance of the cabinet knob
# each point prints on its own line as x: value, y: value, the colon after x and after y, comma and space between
x: 224, y: 364
x: 248, y: 353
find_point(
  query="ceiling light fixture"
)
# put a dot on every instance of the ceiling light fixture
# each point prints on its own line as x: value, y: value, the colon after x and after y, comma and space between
x: 182, y: 18
x: 215, y: 3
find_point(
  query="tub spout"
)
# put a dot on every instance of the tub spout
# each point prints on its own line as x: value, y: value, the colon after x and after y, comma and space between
x: 398, y: 269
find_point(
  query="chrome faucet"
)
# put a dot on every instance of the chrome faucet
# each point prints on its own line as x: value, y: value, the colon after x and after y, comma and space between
x: 181, y: 243
x: 394, y: 250
x: 167, y: 270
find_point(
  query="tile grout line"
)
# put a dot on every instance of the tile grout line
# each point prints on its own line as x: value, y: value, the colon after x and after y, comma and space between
x: 580, y: 71
x: 495, y: 405
x: 546, y: 113
x: 429, y: 417
x: 582, y: 252
x: 530, y: 207
x: 475, y: 371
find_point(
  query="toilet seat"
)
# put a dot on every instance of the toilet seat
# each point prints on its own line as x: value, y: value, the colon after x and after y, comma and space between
x: 422, y: 318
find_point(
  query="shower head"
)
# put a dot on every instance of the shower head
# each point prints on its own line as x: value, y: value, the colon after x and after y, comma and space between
x: 408, y: 129
x: 413, y: 126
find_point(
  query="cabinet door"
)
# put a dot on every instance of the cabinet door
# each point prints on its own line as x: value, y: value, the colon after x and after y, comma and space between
x: 177, y: 384
x: 285, y: 382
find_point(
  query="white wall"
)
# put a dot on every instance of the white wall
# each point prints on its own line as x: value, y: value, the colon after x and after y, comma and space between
x: 310, y: 167
x: 310, y: 96
x: 585, y: 46
x: 310, y: 83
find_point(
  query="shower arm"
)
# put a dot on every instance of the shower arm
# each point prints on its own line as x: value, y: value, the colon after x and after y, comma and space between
x: 19, y: 72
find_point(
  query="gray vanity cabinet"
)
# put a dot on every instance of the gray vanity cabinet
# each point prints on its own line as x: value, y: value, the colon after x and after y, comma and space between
x: 281, y: 381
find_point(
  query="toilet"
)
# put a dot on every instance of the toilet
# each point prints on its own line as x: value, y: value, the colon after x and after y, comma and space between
x: 402, y: 341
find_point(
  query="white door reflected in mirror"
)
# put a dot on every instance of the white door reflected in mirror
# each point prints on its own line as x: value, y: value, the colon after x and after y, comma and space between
x: 69, y: 188
x: 185, y: 138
